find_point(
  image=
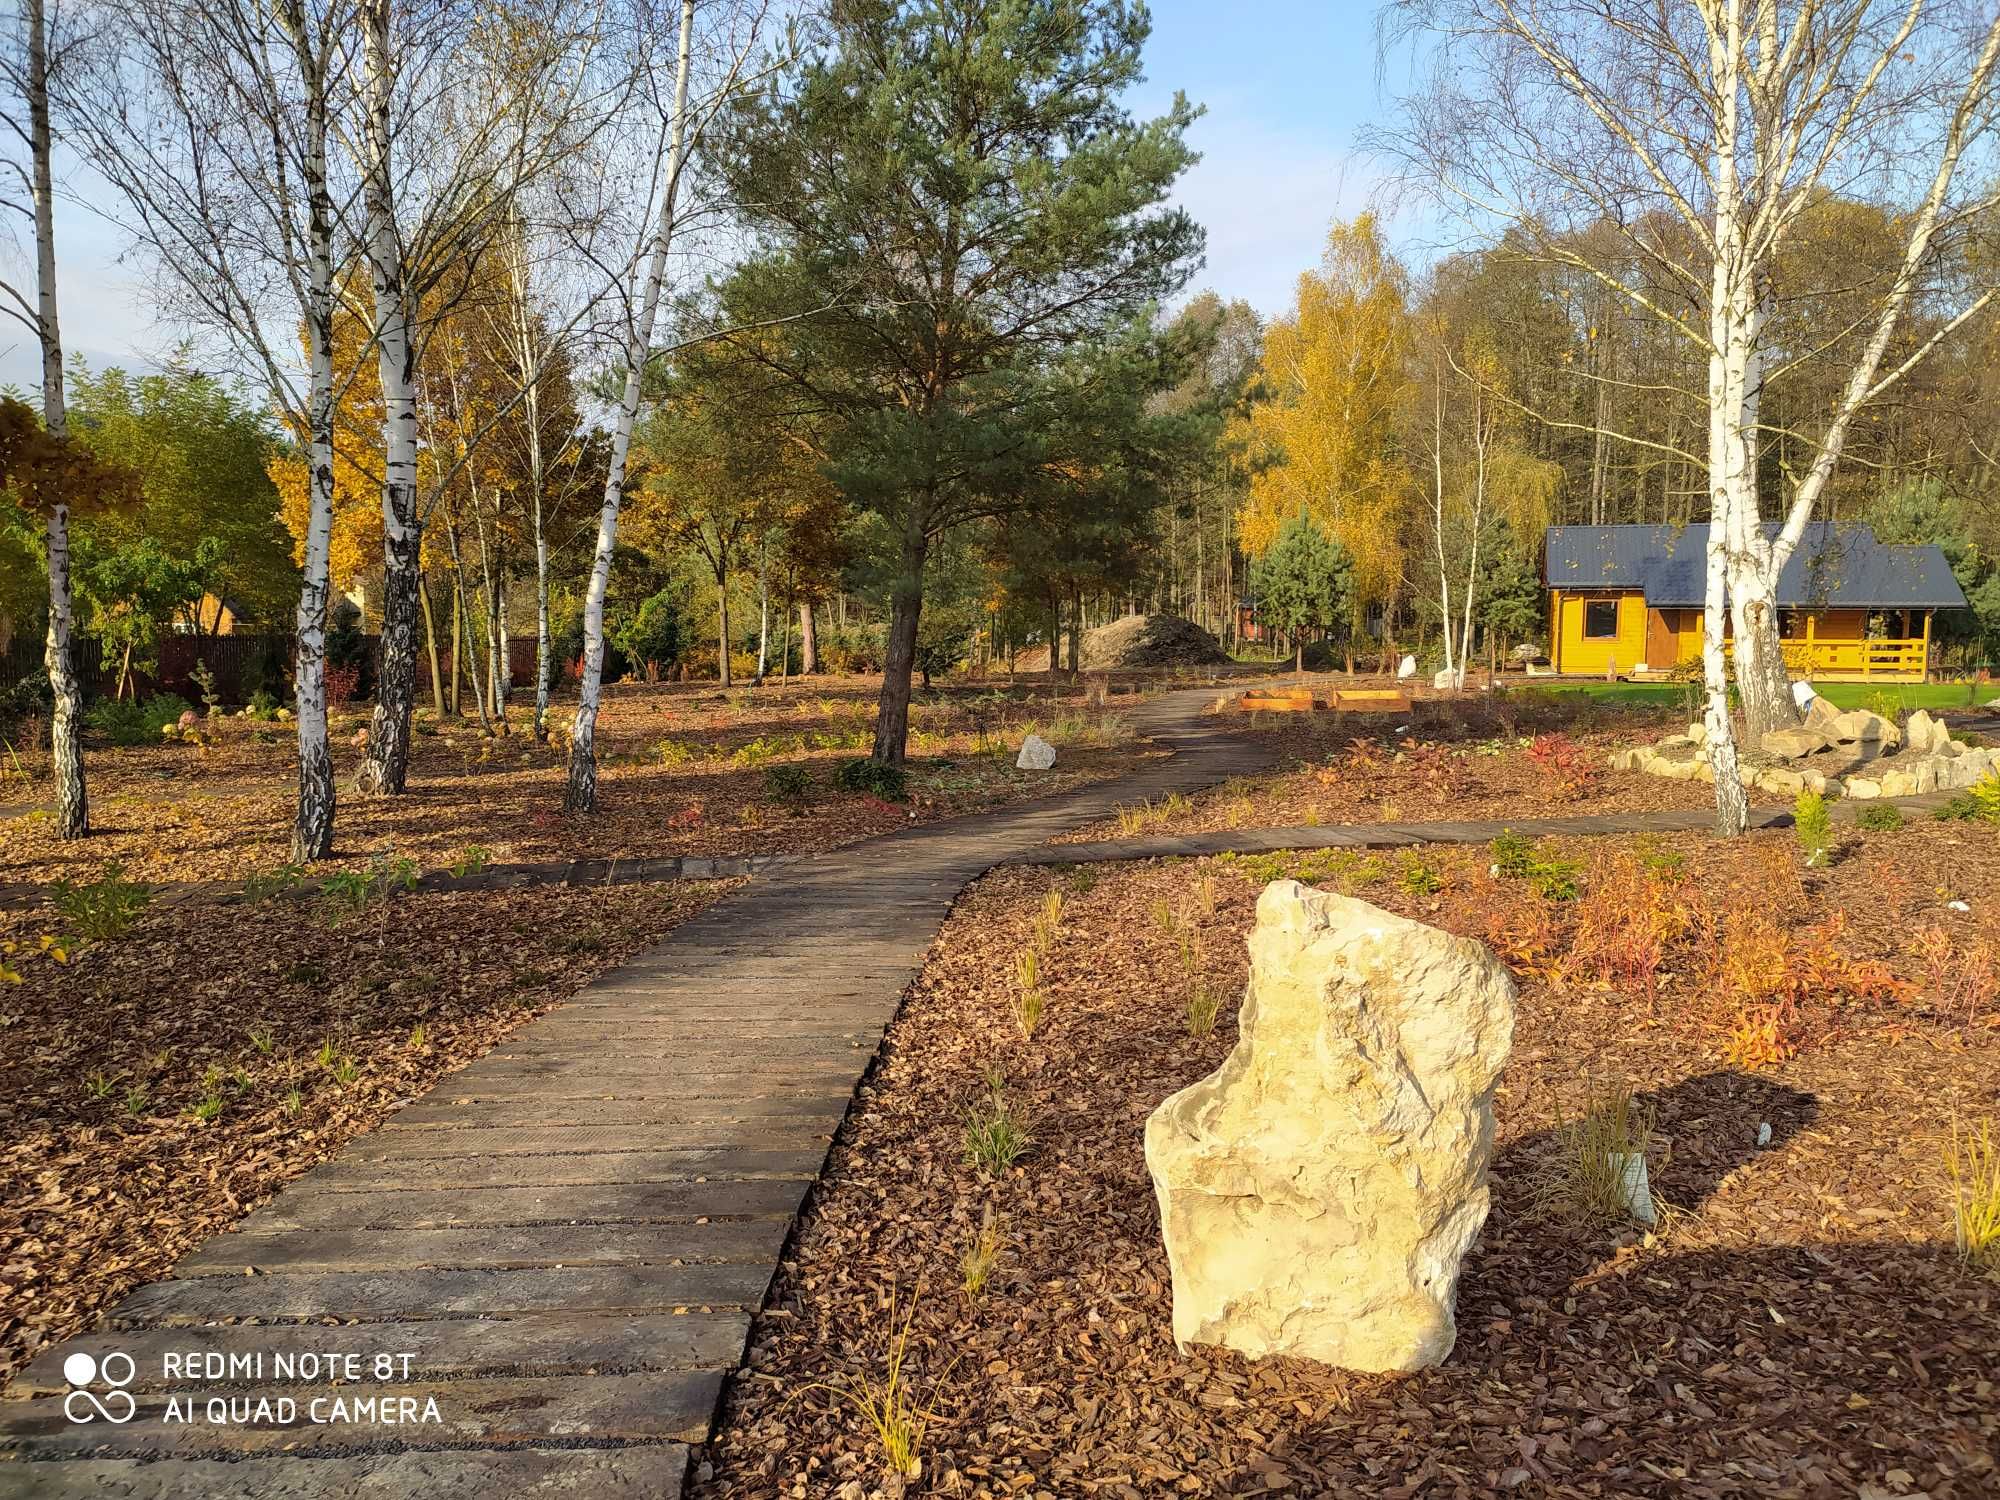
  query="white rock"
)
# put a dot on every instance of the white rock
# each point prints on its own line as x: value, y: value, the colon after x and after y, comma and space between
x: 1858, y: 724
x: 1449, y: 680
x: 1319, y: 1189
x: 1037, y: 754
x: 1860, y: 788
x: 1763, y: 1133
x: 1635, y: 1191
x: 1407, y: 667
x: 1927, y: 735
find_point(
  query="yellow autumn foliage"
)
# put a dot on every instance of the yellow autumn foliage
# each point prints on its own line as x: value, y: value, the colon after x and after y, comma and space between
x: 1324, y: 439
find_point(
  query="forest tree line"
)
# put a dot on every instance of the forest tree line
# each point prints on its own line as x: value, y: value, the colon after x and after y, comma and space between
x: 675, y: 316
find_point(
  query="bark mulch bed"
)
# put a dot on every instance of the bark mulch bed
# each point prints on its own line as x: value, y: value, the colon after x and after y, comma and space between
x: 1446, y: 760
x: 1798, y: 1326
x: 682, y: 773
x: 291, y: 1027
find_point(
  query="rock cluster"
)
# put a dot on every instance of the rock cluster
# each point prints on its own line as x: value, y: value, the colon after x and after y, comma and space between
x: 1856, y: 754
x: 1319, y: 1189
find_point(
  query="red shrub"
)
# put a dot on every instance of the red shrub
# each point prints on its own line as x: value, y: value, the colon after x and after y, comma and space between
x: 1568, y: 768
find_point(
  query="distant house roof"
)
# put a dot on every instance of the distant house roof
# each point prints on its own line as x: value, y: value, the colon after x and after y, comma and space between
x: 1833, y: 568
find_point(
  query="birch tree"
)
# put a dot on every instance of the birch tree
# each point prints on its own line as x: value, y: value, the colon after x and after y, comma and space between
x: 637, y: 287
x: 213, y: 124
x: 1693, y: 137
x: 457, y: 114
x: 31, y: 195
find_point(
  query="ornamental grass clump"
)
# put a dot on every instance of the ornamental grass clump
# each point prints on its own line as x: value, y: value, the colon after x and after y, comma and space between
x: 1973, y: 1160
x: 1596, y: 1174
x: 996, y: 1133
x: 888, y: 1404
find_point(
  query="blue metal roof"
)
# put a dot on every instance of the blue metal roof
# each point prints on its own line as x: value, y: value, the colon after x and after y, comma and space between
x: 1834, y: 567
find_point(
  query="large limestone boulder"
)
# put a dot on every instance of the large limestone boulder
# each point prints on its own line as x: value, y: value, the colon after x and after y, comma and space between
x: 1319, y: 1189
x: 1925, y: 735
x: 1966, y: 768
x: 1793, y: 744
x: 1860, y: 726
x: 1820, y: 714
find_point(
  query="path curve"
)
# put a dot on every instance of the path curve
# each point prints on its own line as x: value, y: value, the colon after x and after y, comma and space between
x: 569, y: 1237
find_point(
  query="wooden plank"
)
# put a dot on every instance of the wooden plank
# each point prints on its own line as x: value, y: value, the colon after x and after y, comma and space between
x: 291, y: 1252
x: 581, y: 1168
x: 377, y: 1296
x: 416, y: 1145
x: 609, y: 1203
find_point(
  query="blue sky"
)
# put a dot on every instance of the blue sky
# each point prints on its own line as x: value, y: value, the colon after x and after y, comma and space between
x: 1287, y: 84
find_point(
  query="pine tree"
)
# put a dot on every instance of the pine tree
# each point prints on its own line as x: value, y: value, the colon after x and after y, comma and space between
x: 1304, y: 581
x: 950, y: 200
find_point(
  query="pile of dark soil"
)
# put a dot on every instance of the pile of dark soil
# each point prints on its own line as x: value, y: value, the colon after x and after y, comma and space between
x: 1151, y: 641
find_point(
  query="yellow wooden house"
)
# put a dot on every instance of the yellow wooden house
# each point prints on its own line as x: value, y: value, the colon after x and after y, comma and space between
x: 1626, y: 601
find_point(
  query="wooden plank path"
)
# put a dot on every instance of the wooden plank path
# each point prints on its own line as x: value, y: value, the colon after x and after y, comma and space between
x: 569, y: 1237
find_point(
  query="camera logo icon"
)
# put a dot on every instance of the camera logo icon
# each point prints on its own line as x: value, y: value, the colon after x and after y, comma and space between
x: 84, y: 1405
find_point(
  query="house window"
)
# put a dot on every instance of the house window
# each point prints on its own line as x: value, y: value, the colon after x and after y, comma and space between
x: 1600, y: 620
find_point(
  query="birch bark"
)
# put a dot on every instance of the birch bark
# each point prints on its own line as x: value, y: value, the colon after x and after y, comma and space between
x: 313, y: 819
x: 580, y: 795
x: 386, y: 769
x: 72, y: 810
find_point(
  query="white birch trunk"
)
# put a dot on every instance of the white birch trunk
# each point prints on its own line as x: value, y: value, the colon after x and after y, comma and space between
x: 72, y: 810
x: 580, y: 795
x: 1755, y: 564
x: 763, y: 616
x: 542, y: 663
x: 387, y: 766
x: 313, y: 820
x: 1481, y: 439
x: 1437, y: 513
x: 1726, y: 438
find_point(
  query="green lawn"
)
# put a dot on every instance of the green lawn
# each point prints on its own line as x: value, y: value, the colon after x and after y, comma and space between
x: 1904, y: 695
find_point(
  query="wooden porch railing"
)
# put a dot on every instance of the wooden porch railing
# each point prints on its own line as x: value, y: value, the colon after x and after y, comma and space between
x: 1900, y: 660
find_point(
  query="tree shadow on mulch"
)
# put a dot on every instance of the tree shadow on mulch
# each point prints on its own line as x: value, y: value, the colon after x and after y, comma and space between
x: 1704, y: 1128
x: 1801, y: 1369
x: 1589, y: 1365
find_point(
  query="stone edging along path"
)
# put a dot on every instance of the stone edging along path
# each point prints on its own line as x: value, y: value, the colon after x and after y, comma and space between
x: 569, y: 1237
